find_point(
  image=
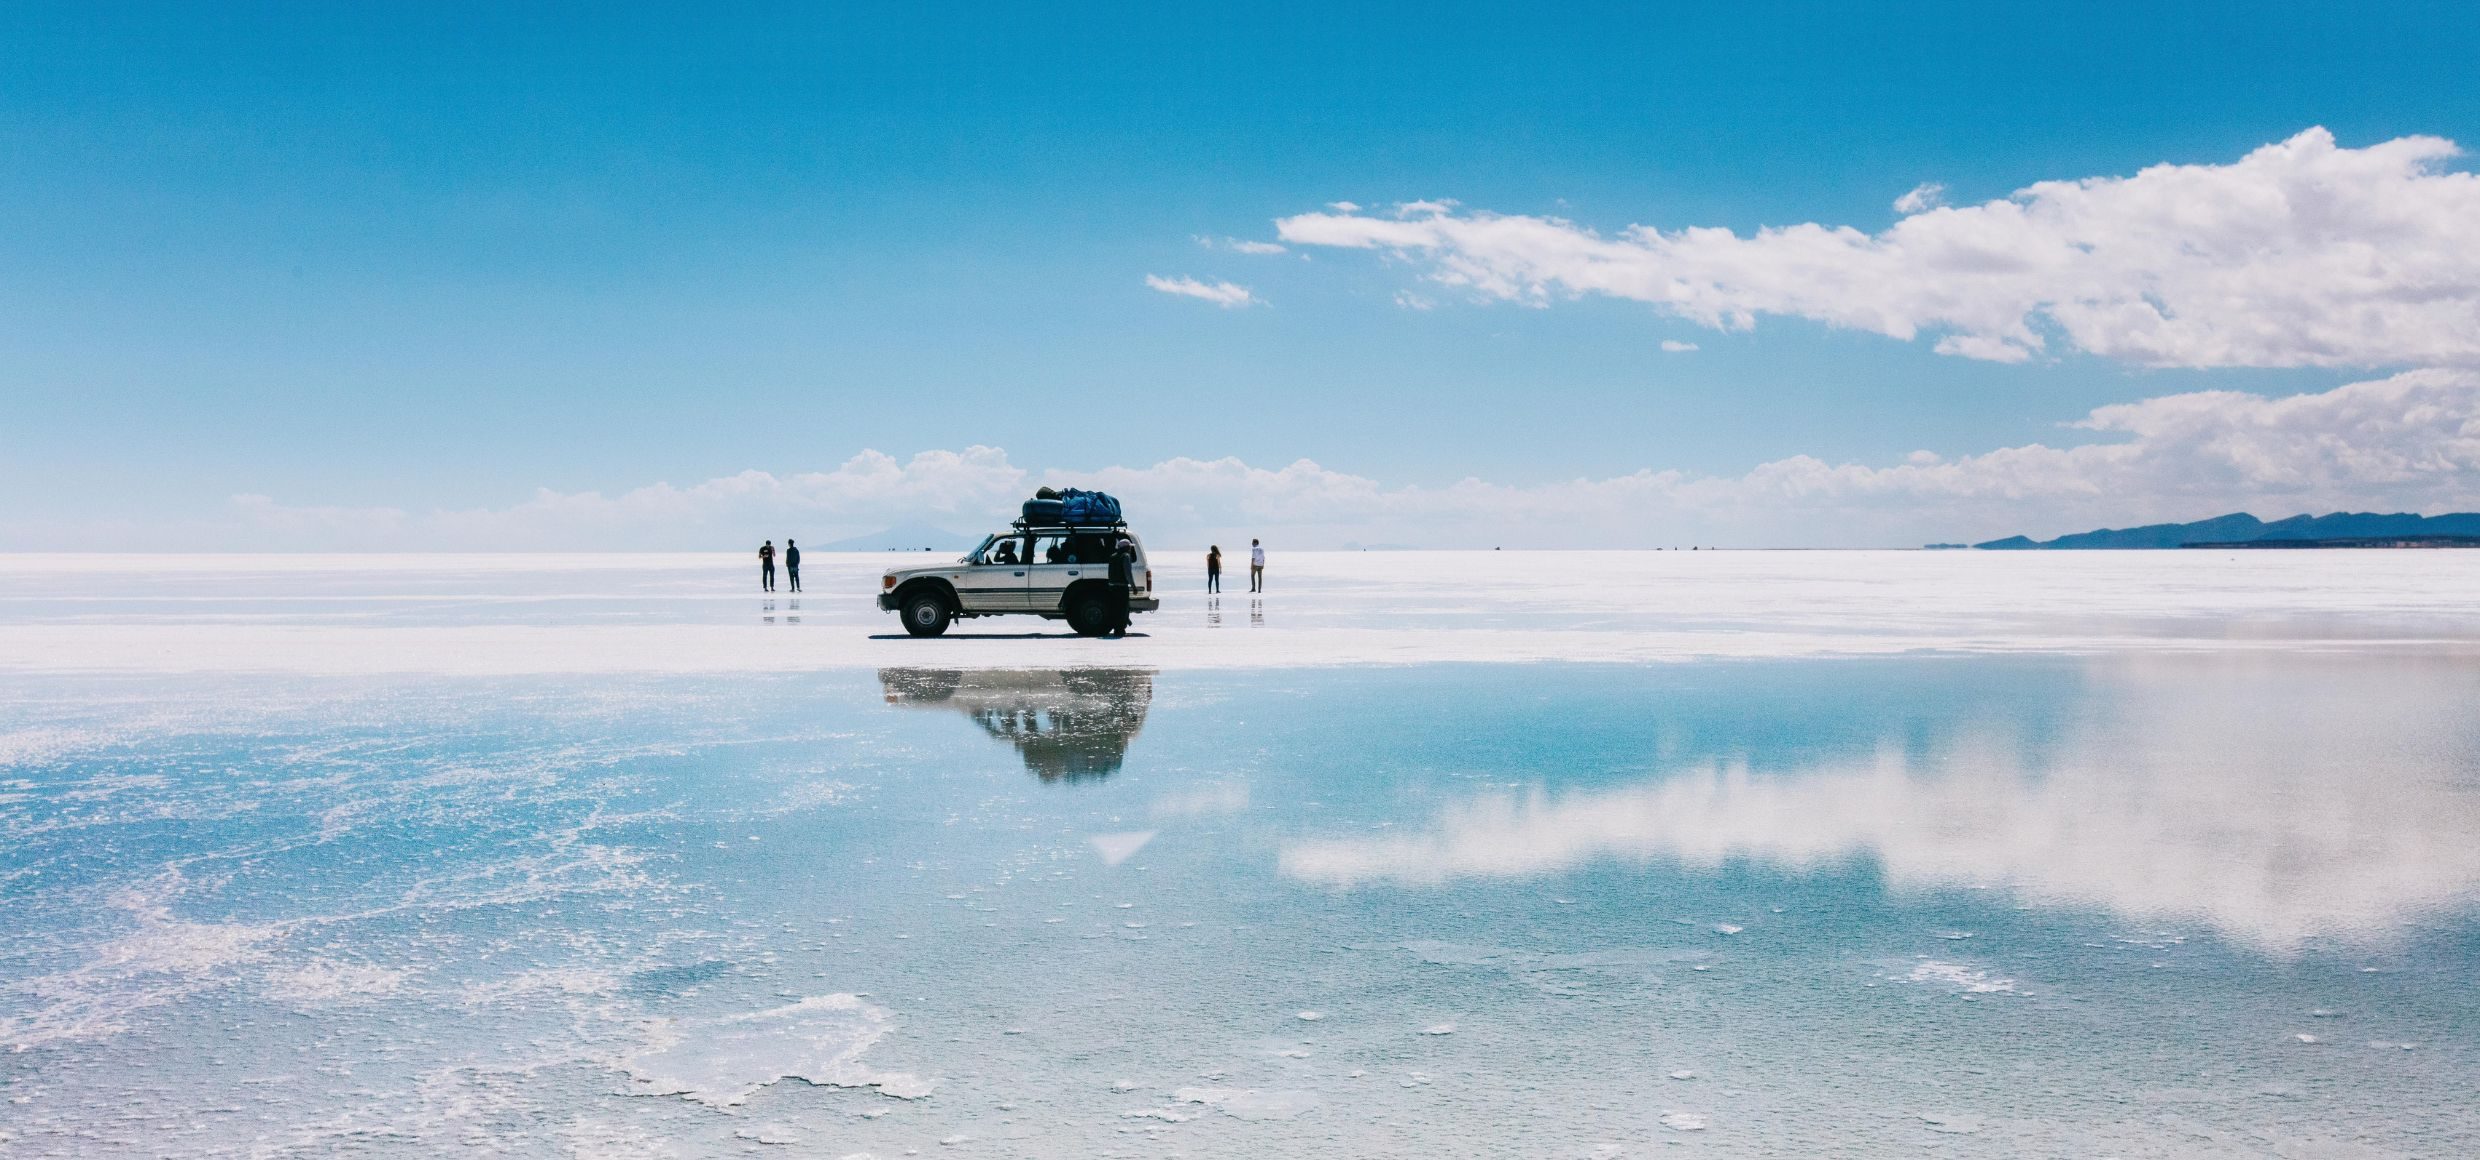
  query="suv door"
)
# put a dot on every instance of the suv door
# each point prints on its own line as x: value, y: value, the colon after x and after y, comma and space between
x: 985, y: 585
x: 1048, y: 582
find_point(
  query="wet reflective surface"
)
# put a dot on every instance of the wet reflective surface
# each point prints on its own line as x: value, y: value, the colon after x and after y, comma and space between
x: 1068, y: 724
x: 2212, y: 905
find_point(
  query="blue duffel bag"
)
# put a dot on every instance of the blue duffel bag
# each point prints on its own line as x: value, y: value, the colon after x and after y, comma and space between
x: 1088, y: 507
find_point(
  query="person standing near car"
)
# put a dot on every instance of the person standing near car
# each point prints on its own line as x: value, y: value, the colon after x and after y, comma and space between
x: 792, y: 565
x: 1123, y: 577
x: 766, y: 567
x: 1214, y: 568
x: 1257, y: 567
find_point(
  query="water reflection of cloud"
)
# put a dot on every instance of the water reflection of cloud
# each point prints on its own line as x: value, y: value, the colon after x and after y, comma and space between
x: 2273, y: 807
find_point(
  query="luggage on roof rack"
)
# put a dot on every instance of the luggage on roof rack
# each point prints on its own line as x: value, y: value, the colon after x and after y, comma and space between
x: 1073, y: 508
x: 1088, y: 507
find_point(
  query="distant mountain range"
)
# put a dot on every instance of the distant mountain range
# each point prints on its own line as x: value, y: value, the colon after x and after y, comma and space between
x: 2355, y: 529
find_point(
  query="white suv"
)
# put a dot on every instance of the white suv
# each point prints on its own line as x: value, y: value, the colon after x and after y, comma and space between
x: 1050, y: 572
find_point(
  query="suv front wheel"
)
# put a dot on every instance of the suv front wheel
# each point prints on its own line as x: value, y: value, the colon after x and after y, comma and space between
x: 925, y: 614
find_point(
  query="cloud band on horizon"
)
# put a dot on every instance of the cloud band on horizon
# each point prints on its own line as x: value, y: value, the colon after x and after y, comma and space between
x: 2407, y: 442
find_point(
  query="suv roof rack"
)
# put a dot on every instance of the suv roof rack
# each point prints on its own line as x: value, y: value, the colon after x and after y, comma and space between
x: 1114, y: 526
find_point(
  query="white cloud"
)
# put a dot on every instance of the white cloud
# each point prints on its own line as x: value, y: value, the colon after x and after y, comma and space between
x: 1674, y: 346
x: 1927, y: 195
x: 1223, y: 294
x: 2406, y: 443
x: 2301, y: 253
x: 1241, y: 245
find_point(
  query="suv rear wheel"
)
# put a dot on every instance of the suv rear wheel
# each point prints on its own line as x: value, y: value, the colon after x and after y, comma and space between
x: 1089, y: 613
x: 925, y: 614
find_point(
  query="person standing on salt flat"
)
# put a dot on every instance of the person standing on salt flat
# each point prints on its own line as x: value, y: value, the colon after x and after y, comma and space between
x: 766, y: 567
x: 792, y: 564
x: 1123, y: 576
x: 1214, y: 568
x: 1257, y: 567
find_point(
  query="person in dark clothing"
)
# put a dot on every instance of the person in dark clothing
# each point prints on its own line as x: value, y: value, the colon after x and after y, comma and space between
x: 792, y: 565
x: 1123, y: 577
x: 766, y: 567
x: 1214, y: 568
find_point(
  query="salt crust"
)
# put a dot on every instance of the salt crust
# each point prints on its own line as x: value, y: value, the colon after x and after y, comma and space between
x: 1250, y: 1103
x: 722, y: 1062
x: 488, y: 615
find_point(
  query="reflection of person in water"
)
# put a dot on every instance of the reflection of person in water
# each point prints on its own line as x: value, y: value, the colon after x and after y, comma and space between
x: 1074, y: 725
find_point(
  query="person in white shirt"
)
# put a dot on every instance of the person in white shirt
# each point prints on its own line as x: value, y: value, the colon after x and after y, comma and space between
x: 1257, y: 567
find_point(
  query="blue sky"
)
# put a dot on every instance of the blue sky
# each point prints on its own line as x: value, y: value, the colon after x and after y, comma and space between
x: 441, y: 256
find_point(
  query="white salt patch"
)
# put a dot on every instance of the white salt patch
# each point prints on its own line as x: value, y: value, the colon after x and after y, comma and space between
x: 1250, y: 1103
x: 1969, y: 979
x: 1118, y: 848
x: 38, y: 745
x: 1447, y: 1028
x: 162, y: 961
x: 810, y: 795
x: 1312, y: 1016
x: 1683, y: 1121
x: 721, y: 1062
x: 1727, y: 928
x: 324, y: 981
x: 1683, y: 1073
x: 2306, y: 1038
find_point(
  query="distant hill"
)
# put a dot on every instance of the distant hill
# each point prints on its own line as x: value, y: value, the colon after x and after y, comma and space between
x: 912, y: 539
x: 2242, y: 528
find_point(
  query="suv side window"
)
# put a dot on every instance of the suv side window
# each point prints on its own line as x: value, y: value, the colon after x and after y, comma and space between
x: 1092, y: 548
x: 1003, y: 550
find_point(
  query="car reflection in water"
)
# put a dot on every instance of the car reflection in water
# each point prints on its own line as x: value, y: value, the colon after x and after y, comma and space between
x: 1068, y: 725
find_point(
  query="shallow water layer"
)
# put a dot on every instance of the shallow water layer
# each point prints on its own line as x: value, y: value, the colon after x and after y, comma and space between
x: 2157, y: 905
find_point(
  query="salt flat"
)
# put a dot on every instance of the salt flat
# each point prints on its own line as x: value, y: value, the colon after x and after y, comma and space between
x: 701, y: 613
x: 2132, y: 854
